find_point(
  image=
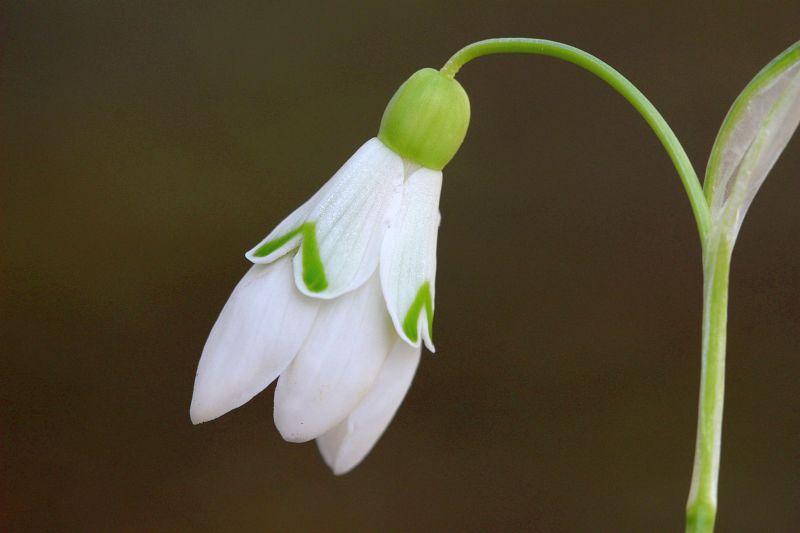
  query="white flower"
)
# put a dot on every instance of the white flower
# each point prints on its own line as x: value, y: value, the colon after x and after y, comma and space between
x: 335, y: 307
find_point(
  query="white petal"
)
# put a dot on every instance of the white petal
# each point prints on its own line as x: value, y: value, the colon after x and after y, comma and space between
x: 336, y: 366
x: 349, y: 222
x: 408, y: 258
x: 346, y: 445
x: 258, y: 332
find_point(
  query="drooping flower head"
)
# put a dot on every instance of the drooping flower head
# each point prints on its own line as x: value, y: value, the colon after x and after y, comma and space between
x: 340, y: 296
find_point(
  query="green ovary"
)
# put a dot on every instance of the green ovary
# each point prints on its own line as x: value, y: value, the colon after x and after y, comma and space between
x: 313, y: 269
x: 426, y: 119
x: 423, y: 300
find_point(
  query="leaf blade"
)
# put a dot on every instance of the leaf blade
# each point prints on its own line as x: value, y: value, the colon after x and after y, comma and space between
x: 755, y: 131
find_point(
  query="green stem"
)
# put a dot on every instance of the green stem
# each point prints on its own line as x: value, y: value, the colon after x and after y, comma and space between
x: 521, y: 45
x: 701, y: 508
x: 717, y: 247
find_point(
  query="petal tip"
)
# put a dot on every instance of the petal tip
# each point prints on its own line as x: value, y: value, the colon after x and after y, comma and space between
x: 340, y: 470
x: 251, y: 256
x: 429, y: 345
x: 335, y: 460
x: 199, y: 413
x: 290, y: 432
x: 291, y: 426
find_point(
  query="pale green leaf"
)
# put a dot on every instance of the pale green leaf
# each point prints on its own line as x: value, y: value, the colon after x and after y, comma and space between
x: 753, y: 135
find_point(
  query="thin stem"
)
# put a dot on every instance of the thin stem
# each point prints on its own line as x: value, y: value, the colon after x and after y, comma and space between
x: 521, y: 45
x: 701, y: 508
x: 717, y: 247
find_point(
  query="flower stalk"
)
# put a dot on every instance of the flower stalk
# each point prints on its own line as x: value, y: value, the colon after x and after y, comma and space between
x: 702, y: 505
x: 601, y: 69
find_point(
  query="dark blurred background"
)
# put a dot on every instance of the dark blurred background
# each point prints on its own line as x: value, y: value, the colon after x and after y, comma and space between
x: 146, y: 146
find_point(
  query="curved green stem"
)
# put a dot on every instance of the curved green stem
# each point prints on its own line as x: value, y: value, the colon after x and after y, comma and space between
x: 702, y: 505
x: 521, y: 45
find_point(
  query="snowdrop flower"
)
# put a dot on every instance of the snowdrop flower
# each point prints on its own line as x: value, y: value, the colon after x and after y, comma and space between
x: 341, y: 293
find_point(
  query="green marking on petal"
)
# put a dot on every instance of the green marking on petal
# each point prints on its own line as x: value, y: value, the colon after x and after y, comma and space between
x: 270, y: 246
x: 422, y: 300
x: 313, y: 269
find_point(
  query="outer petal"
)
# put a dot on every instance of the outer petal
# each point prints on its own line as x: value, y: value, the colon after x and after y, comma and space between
x: 346, y: 445
x: 341, y: 227
x: 258, y: 332
x: 408, y: 258
x: 336, y: 366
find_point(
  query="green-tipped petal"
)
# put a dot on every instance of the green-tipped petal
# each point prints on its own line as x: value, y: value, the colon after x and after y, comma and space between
x: 408, y: 258
x: 340, y: 229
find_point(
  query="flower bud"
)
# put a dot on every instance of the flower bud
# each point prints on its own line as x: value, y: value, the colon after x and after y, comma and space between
x: 426, y: 119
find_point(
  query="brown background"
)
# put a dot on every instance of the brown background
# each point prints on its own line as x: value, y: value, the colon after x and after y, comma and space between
x: 145, y: 147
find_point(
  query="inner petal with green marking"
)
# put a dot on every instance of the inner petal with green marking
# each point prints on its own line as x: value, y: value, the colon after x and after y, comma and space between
x: 423, y: 300
x: 313, y: 269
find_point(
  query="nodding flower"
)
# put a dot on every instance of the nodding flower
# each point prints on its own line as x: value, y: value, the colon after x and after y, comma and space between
x: 340, y: 297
